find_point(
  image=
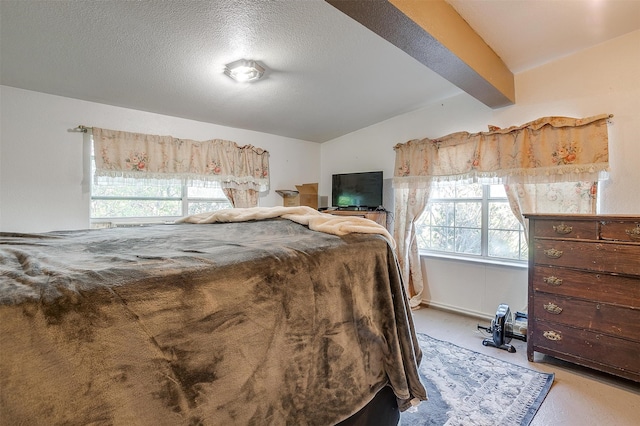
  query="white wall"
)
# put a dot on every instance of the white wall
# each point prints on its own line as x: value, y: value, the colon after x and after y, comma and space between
x: 603, y: 79
x: 41, y: 163
x: 371, y: 148
x: 473, y: 288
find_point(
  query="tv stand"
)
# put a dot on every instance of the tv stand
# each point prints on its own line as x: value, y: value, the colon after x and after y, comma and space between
x: 354, y: 209
x: 378, y: 216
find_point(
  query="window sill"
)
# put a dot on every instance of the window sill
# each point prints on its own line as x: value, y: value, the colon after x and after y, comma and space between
x: 131, y: 222
x: 481, y: 260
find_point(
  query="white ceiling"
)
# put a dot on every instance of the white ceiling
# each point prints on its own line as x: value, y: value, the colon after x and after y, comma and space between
x: 328, y: 75
x: 529, y: 33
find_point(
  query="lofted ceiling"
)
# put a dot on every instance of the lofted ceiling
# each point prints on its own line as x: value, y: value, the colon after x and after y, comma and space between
x: 328, y: 73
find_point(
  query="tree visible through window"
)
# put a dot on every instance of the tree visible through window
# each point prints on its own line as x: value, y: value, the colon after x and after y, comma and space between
x: 133, y: 200
x: 471, y: 220
x: 137, y: 200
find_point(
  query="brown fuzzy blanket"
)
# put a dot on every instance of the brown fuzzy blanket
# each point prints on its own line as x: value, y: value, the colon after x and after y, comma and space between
x: 256, y: 323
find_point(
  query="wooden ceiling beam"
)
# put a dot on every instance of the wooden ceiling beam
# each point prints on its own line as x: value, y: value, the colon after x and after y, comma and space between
x: 433, y: 33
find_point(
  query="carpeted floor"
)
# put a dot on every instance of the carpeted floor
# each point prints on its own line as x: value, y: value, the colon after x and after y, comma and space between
x: 469, y: 388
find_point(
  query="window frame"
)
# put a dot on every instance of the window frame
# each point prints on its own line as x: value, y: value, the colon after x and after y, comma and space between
x: 483, y: 257
x: 184, y: 199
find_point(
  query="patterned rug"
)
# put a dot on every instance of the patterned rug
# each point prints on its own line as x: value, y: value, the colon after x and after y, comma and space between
x: 469, y: 388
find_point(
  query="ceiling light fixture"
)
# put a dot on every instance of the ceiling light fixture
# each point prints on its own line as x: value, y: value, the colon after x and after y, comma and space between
x: 244, y: 70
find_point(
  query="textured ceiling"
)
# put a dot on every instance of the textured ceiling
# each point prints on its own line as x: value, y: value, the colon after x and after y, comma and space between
x: 328, y: 75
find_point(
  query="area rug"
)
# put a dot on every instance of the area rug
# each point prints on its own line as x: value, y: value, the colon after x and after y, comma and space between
x: 469, y: 388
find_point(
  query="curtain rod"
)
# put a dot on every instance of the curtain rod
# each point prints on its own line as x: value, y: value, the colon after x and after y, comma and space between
x: 83, y: 129
x: 86, y: 129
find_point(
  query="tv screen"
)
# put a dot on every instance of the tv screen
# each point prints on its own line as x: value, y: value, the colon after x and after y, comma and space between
x: 357, y: 190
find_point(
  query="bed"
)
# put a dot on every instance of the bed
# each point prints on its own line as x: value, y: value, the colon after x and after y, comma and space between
x: 249, y: 322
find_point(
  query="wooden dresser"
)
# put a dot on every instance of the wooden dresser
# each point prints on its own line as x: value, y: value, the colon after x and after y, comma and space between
x: 584, y: 291
x: 378, y: 216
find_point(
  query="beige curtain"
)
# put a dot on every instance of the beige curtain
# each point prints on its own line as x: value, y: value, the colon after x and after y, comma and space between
x: 548, y: 150
x: 241, y: 198
x: 556, y: 197
x: 410, y: 204
x: 139, y: 156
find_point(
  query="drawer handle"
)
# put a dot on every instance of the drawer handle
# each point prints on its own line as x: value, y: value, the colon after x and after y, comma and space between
x: 562, y: 229
x: 553, y: 253
x: 552, y: 308
x: 554, y: 281
x: 634, y: 233
x: 552, y: 335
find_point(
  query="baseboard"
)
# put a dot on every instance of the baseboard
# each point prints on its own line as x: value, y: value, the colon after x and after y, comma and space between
x: 456, y: 310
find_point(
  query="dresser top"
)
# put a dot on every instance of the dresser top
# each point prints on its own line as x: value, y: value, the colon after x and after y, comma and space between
x: 582, y: 216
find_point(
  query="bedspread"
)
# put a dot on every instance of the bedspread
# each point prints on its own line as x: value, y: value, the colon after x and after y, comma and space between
x: 255, y: 323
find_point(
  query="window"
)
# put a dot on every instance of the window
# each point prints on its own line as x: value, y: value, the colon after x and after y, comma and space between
x: 472, y: 220
x: 137, y: 201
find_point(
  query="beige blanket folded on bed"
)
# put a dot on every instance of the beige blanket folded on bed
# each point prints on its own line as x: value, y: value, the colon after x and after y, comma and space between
x: 315, y: 220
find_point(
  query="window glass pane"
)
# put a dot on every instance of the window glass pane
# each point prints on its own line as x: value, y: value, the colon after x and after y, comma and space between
x: 442, y: 213
x: 497, y: 191
x: 207, y: 206
x: 469, y: 214
x: 134, y: 208
x: 501, y: 216
x: 205, y: 192
x: 469, y: 190
x: 442, y: 238
x: 136, y: 190
x: 468, y: 241
x: 524, y: 248
x: 423, y: 235
x: 504, y: 244
x: 453, y: 221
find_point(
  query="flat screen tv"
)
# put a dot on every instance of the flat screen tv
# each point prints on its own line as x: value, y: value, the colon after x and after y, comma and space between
x: 357, y: 190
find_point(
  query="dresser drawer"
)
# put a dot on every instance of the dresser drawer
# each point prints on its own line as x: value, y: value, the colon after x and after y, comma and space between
x: 620, y: 231
x: 566, y: 229
x: 593, y: 256
x: 595, y: 348
x: 595, y: 316
x: 602, y: 287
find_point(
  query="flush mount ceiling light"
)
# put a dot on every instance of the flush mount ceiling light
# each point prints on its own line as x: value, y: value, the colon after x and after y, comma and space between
x: 244, y: 70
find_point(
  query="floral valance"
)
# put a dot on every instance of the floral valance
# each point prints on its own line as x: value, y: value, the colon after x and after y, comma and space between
x: 141, y: 156
x: 550, y: 149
